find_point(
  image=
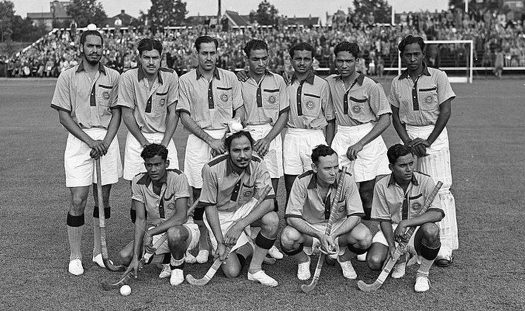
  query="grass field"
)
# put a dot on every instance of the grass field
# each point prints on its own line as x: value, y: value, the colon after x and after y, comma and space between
x: 488, y: 164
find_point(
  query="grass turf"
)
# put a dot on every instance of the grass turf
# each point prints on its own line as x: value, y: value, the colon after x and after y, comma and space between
x: 487, y: 145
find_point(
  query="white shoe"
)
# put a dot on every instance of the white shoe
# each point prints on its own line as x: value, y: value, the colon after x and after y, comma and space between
x: 275, y: 253
x: 348, y: 269
x: 75, y: 267
x: 303, y: 270
x: 189, y: 258
x: 262, y: 278
x: 166, y: 271
x: 399, y: 270
x: 361, y: 257
x: 98, y: 260
x: 202, y: 257
x: 177, y: 277
x: 422, y: 284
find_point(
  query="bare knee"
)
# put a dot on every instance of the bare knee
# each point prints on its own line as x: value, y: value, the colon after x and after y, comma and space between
x: 232, y: 268
x: 430, y: 232
x: 177, y: 235
x: 374, y: 261
x: 289, y: 237
x: 78, y: 202
x: 270, y: 223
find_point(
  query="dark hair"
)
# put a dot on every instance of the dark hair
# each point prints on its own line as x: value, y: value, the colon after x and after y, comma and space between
x: 321, y: 151
x: 302, y: 46
x: 90, y: 33
x: 228, y: 141
x: 154, y: 150
x: 255, y: 44
x: 205, y: 39
x: 147, y: 44
x: 346, y: 46
x: 410, y: 39
x: 396, y: 151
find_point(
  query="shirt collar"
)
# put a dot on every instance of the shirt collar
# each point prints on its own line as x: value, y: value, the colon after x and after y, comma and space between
x: 230, y: 168
x: 142, y: 75
x: 425, y: 72
x: 215, y: 73
x: 309, y: 78
x: 392, y: 180
x: 359, y: 78
x: 101, y: 67
x: 313, y: 182
x: 146, y: 180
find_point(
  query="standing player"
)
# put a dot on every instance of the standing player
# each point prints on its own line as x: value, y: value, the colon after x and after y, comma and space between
x: 362, y: 114
x: 421, y: 99
x: 208, y: 99
x: 308, y: 211
x: 229, y: 182
x: 160, y: 197
x: 398, y: 199
x: 85, y: 98
x: 309, y: 98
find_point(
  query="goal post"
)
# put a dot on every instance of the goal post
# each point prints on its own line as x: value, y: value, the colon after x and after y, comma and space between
x: 455, y: 57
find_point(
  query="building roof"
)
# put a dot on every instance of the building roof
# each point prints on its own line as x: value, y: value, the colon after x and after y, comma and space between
x: 57, y: 10
x: 125, y: 18
x: 237, y: 20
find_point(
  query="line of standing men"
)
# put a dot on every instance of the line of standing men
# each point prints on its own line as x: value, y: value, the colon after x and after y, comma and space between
x: 348, y: 111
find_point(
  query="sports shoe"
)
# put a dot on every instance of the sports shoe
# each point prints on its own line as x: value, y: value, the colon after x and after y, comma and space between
x: 444, y: 257
x: 422, y: 284
x: 166, y: 271
x: 361, y: 257
x: 177, y: 277
x: 98, y: 260
x: 262, y: 278
x: 303, y: 270
x: 75, y: 267
x: 399, y: 269
x: 189, y: 258
x: 348, y: 269
x: 202, y: 257
x: 275, y: 253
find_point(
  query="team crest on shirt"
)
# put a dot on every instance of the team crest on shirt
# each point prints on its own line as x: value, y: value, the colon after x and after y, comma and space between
x: 224, y: 97
x: 416, y: 206
x: 342, y: 208
x: 162, y: 102
x: 171, y: 206
x: 272, y: 99
x: 356, y: 109
x: 310, y: 105
x: 105, y: 95
x: 429, y: 99
x: 248, y: 193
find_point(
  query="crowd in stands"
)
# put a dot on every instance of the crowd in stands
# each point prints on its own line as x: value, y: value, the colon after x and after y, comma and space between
x: 494, y: 34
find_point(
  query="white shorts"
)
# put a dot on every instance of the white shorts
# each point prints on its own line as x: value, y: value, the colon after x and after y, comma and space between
x: 371, y: 161
x: 227, y: 219
x: 134, y: 163
x: 193, y: 239
x: 297, y: 149
x: 379, y: 237
x: 80, y: 167
x: 198, y: 153
x: 274, y: 157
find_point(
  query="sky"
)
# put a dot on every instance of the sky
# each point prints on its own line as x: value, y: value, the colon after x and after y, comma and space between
x: 209, y: 7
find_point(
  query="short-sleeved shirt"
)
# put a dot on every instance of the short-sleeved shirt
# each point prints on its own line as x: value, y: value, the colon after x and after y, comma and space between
x: 364, y: 102
x: 227, y: 187
x: 305, y: 202
x: 160, y: 207
x: 310, y: 106
x: 418, y: 101
x: 265, y: 100
x: 150, y: 105
x: 210, y: 103
x: 88, y: 102
x: 391, y: 203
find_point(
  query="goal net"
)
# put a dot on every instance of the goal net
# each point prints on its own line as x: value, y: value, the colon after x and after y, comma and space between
x: 455, y: 57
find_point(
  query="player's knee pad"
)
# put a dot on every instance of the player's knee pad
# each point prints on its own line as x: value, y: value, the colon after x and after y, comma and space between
x: 356, y: 250
x: 166, y: 259
x: 107, y: 212
x: 292, y: 252
x: 429, y: 253
x: 75, y: 221
x: 133, y: 215
x: 198, y: 214
x: 264, y: 242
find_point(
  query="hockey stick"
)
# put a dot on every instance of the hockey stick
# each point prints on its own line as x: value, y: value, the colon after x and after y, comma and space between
x: 400, y: 249
x: 102, y: 220
x: 306, y: 288
x: 128, y: 274
x: 217, y: 263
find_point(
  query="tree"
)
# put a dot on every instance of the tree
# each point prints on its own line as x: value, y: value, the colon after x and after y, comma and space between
x: 7, y: 13
x: 266, y: 14
x: 474, y: 5
x: 85, y: 12
x: 167, y: 13
x: 24, y: 31
x: 381, y: 10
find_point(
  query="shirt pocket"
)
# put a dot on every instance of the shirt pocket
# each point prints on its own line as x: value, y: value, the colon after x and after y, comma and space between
x: 416, y: 205
x: 246, y: 193
x: 357, y: 108
x: 224, y: 98
x: 311, y: 105
x: 428, y: 99
x: 341, y: 209
x: 271, y: 99
x: 104, y: 95
x: 159, y: 103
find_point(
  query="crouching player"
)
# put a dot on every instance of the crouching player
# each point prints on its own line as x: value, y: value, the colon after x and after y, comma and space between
x: 398, y: 199
x: 160, y: 197
x: 308, y: 212
x: 230, y: 182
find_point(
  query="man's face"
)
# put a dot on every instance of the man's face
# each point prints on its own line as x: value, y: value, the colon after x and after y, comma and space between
x: 327, y: 168
x: 258, y: 61
x: 302, y: 61
x: 413, y: 56
x: 92, y: 49
x: 207, y: 56
x: 345, y: 63
x: 156, y: 167
x: 150, y: 62
x: 241, y: 151
x: 403, y: 169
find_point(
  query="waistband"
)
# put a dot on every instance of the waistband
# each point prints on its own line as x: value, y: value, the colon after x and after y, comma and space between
x: 367, y: 127
x: 295, y: 131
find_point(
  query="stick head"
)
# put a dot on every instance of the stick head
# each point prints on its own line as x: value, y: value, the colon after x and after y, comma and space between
x: 368, y: 287
x: 198, y: 282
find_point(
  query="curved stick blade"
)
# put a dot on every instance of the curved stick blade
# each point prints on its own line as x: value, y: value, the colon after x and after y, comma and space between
x: 368, y: 287
x: 198, y: 282
x: 109, y: 286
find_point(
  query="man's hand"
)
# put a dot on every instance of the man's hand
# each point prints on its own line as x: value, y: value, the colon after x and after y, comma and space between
x: 147, y: 241
x: 221, y: 252
x: 400, y: 233
x: 134, y: 266
x: 262, y: 146
x: 419, y: 147
x: 242, y: 76
x: 353, y: 150
x: 217, y: 147
x: 287, y: 76
x: 98, y: 148
x: 327, y: 243
x: 231, y: 237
